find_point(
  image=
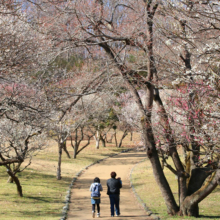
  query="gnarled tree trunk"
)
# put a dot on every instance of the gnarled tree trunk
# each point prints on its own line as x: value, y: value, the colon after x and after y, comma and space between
x: 190, y: 206
x: 17, y: 182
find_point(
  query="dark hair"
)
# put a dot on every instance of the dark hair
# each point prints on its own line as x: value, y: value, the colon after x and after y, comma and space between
x: 96, y: 180
x: 113, y: 174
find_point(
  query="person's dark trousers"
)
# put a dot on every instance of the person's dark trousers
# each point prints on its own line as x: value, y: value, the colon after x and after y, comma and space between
x: 98, y: 208
x: 114, y: 202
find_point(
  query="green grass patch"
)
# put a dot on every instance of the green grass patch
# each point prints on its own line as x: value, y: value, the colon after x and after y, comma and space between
x: 43, y: 196
x: 146, y: 187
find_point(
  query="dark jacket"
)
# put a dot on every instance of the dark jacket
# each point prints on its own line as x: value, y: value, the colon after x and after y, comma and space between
x: 114, y: 186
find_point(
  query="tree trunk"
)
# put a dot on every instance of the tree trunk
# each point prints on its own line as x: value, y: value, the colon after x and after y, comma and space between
x: 115, y: 136
x: 15, y: 170
x: 75, y: 150
x: 105, y: 138
x: 123, y: 136
x: 190, y: 206
x: 102, y: 141
x: 65, y: 149
x: 97, y: 139
x: 17, y: 182
x: 110, y: 139
x: 59, y: 162
x: 190, y: 210
x: 149, y: 140
x: 172, y: 208
x: 97, y: 144
x: 10, y: 180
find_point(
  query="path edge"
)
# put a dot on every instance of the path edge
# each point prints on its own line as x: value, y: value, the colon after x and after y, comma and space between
x: 147, y: 209
x: 68, y: 196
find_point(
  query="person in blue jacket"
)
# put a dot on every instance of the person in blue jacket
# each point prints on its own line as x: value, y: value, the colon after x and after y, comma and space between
x: 95, y: 189
x: 114, y: 186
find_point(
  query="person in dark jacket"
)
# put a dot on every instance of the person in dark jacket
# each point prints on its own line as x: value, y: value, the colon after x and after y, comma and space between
x: 114, y: 186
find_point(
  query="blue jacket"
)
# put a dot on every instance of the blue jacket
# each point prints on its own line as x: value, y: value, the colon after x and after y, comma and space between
x: 93, y: 185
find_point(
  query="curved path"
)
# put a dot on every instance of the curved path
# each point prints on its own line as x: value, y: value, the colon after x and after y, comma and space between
x: 80, y: 206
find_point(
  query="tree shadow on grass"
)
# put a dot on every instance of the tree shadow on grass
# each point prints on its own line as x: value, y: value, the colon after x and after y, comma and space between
x: 28, y: 213
x: 34, y: 183
x: 209, y: 217
x: 138, y: 184
x: 122, y: 155
x: 42, y: 199
x: 28, y: 175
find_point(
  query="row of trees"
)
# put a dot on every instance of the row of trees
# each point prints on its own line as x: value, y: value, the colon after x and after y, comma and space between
x: 37, y: 91
x: 154, y: 63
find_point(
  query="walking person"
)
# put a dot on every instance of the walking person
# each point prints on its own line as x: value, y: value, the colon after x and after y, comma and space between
x: 95, y: 189
x: 114, y: 186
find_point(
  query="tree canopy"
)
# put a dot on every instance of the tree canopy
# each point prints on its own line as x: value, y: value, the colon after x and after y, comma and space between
x: 155, y: 63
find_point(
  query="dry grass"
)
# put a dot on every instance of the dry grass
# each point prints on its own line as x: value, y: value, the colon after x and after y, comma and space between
x: 146, y: 187
x: 43, y: 194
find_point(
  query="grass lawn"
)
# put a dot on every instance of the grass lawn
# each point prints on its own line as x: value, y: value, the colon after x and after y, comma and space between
x: 149, y: 192
x: 44, y: 195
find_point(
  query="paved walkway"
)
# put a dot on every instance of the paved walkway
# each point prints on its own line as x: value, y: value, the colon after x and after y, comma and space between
x: 81, y: 208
